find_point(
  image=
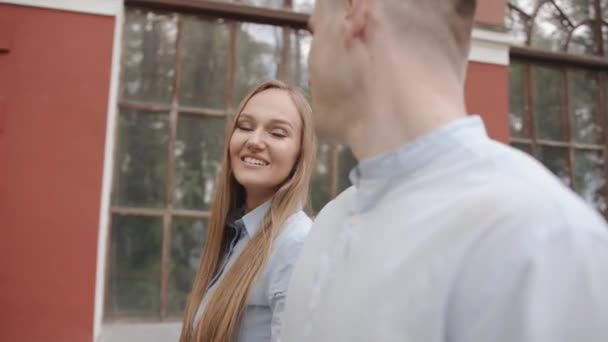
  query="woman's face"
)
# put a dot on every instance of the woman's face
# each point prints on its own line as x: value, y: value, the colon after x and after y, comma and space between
x: 265, y: 144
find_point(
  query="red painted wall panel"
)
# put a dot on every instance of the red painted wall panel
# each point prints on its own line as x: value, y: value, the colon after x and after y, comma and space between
x: 55, y: 84
x: 491, y: 12
x: 487, y: 94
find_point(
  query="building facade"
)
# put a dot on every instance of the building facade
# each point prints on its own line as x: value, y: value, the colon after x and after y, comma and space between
x: 112, y: 118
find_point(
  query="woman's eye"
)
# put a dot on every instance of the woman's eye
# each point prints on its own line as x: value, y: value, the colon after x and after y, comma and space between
x: 244, y: 128
x: 279, y: 134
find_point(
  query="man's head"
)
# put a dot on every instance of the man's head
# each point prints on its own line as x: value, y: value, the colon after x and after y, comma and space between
x: 355, y: 39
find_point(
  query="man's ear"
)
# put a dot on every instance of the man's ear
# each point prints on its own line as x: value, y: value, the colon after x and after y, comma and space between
x: 356, y: 22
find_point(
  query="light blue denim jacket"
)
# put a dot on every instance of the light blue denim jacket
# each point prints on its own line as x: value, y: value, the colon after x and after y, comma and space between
x: 261, y: 320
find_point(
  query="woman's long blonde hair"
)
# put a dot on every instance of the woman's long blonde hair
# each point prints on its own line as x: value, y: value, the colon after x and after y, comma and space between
x: 220, y: 320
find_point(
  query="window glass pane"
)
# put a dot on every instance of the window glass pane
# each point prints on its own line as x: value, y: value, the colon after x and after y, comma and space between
x: 548, y: 31
x: 586, y: 127
x: 135, y: 258
x: 274, y: 4
x: 301, y: 41
x: 267, y: 52
x: 198, y: 154
x: 320, y: 182
x: 187, y: 239
x: 589, y: 179
x: 581, y: 41
x: 258, y: 56
x: 305, y: 6
x: 346, y: 162
x: 149, y: 56
x: 141, y: 161
x: 558, y: 25
x: 556, y: 160
x: 204, y: 62
x: 286, y: 48
x: 517, y: 104
x: 526, y: 6
x: 546, y: 99
x: 576, y: 10
x: 523, y: 147
x: 605, y: 31
x: 516, y: 23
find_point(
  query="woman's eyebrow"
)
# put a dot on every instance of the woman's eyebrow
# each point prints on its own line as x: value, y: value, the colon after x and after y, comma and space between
x: 281, y: 122
x: 246, y: 116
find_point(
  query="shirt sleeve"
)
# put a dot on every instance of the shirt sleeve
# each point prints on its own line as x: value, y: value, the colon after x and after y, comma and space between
x: 284, y: 260
x: 277, y: 305
x: 554, y: 290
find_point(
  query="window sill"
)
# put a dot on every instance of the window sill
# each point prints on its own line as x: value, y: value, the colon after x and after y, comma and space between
x: 135, y: 332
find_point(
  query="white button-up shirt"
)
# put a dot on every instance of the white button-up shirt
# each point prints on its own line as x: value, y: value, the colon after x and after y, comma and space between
x: 453, y: 238
x: 261, y: 320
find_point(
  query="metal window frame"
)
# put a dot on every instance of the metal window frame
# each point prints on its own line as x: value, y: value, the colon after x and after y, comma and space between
x: 229, y: 10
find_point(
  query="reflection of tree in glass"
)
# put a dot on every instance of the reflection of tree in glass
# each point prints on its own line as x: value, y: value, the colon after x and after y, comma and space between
x: 516, y: 96
x: 517, y: 23
x: 558, y: 25
x: 583, y: 93
x: 141, y: 159
x: 346, y: 162
x: 300, y: 50
x: 605, y: 30
x: 134, y: 284
x: 582, y: 41
x: 546, y: 98
x: 187, y: 240
x: 149, y: 56
x: 204, y: 62
x: 256, y: 57
x: 589, y: 178
x: 198, y: 154
x: 556, y: 160
x: 523, y: 147
x: 319, y: 184
x: 548, y: 31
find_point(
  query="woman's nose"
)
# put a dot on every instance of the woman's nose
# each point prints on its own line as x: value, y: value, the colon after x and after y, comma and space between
x: 255, y: 140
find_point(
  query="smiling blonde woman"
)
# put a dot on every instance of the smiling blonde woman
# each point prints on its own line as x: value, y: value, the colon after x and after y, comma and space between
x: 257, y: 225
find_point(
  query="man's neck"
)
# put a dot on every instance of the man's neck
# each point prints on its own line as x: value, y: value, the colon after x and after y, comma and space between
x: 396, y: 115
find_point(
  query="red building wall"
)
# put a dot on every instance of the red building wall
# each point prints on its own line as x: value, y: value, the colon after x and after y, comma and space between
x: 491, y: 12
x: 487, y: 94
x: 55, y: 84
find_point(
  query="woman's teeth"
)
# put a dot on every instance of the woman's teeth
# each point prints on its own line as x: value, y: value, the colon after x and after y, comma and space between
x: 254, y: 161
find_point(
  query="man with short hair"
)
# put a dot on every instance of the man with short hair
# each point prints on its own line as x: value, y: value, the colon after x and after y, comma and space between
x: 446, y: 235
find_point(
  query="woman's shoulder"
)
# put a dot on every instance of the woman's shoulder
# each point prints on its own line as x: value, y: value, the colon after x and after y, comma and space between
x: 295, y: 229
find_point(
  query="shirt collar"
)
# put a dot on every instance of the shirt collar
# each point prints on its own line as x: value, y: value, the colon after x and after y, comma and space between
x: 253, y: 219
x: 414, y: 155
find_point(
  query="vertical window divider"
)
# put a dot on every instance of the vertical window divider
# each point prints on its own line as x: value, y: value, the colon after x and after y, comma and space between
x: 528, y: 104
x: 566, y: 118
x: 602, y: 108
x: 167, y: 218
